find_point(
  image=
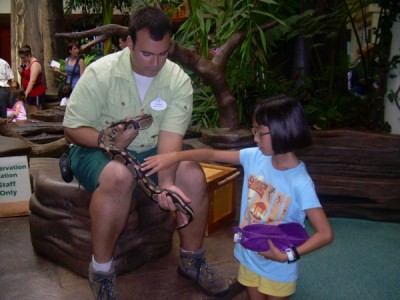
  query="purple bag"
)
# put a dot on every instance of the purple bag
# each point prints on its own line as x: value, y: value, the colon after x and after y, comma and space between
x: 255, y: 236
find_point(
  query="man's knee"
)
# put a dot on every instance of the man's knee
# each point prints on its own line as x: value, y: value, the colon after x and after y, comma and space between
x: 191, y: 174
x: 116, y: 176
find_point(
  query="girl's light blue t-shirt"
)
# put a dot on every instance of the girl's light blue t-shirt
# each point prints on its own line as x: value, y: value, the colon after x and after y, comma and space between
x: 274, y: 197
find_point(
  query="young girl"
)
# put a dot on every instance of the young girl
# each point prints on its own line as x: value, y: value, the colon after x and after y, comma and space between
x: 276, y: 189
x: 66, y: 91
x: 18, y: 113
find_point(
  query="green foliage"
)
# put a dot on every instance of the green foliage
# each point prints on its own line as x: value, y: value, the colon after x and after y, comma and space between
x: 211, y: 25
x: 205, y: 113
x: 327, y: 104
x: 262, y: 65
x: 375, y: 64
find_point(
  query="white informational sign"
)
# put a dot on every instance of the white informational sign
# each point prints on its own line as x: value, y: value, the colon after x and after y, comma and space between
x: 15, y: 184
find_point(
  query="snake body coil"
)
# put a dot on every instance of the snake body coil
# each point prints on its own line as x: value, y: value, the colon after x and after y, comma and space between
x: 106, y: 143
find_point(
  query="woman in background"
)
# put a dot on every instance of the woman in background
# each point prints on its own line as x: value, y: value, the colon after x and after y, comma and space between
x: 31, y: 74
x: 72, y: 73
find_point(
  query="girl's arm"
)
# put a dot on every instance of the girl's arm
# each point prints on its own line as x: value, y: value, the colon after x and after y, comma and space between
x: 17, y: 109
x: 323, y: 234
x: 153, y: 164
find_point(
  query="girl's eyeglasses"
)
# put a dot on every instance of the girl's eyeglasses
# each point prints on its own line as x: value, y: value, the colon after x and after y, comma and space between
x: 260, y: 134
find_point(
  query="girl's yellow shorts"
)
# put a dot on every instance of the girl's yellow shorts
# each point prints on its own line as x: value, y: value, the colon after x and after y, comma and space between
x: 264, y: 285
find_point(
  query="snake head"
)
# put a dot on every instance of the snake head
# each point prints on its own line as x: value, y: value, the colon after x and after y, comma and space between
x: 182, y: 207
x: 138, y: 122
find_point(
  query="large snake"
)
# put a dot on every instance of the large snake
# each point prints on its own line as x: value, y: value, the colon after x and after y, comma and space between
x: 107, y: 144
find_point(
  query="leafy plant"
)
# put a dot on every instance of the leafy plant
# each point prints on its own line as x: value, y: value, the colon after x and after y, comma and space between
x: 205, y: 113
x: 213, y: 24
x: 305, y: 56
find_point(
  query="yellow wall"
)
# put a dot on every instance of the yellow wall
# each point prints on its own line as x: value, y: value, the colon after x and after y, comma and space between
x: 372, y: 15
x: 5, y: 6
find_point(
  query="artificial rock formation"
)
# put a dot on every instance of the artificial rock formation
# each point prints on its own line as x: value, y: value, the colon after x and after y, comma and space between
x: 60, y: 224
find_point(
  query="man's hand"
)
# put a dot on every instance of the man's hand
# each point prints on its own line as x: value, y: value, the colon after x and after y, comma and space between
x: 165, y: 202
x: 124, y: 137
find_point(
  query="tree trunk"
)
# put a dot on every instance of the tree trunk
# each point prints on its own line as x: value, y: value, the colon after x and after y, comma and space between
x: 33, y: 23
x: 52, y: 20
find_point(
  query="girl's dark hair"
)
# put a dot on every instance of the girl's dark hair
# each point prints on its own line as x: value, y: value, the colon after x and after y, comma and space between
x: 20, y: 94
x: 151, y: 18
x: 285, y: 118
x: 25, y: 50
x: 66, y: 90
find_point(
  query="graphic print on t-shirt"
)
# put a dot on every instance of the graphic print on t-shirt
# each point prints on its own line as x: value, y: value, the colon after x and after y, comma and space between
x: 264, y: 203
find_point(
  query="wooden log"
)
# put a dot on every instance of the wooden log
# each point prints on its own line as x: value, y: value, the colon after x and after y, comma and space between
x: 356, y: 173
x: 34, y: 127
x: 53, y: 114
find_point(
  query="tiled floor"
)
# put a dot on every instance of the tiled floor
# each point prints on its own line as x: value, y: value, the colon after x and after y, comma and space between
x: 25, y: 275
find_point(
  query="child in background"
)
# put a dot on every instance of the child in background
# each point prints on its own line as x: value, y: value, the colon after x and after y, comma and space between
x: 18, y: 113
x: 66, y: 92
x: 14, y: 86
x: 277, y: 189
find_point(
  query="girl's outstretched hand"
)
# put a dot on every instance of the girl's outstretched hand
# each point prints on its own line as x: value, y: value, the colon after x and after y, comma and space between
x: 153, y: 164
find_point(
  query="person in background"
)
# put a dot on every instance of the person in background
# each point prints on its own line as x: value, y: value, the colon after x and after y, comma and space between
x: 138, y: 79
x: 14, y: 86
x: 18, y: 112
x: 6, y: 77
x: 72, y: 73
x: 66, y: 92
x: 274, y: 180
x: 31, y: 74
x: 360, y: 81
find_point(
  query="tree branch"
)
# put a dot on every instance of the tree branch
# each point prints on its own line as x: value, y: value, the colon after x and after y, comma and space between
x: 102, y: 33
x: 211, y: 71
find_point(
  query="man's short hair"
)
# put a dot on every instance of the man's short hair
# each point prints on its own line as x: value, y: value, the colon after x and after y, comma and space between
x: 151, y: 18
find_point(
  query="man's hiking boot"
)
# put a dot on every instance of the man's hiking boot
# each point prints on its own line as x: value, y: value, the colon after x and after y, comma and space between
x: 193, y: 265
x: 103, y: 284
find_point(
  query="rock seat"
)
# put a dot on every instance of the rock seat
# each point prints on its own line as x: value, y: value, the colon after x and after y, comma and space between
x: 60, y: 224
